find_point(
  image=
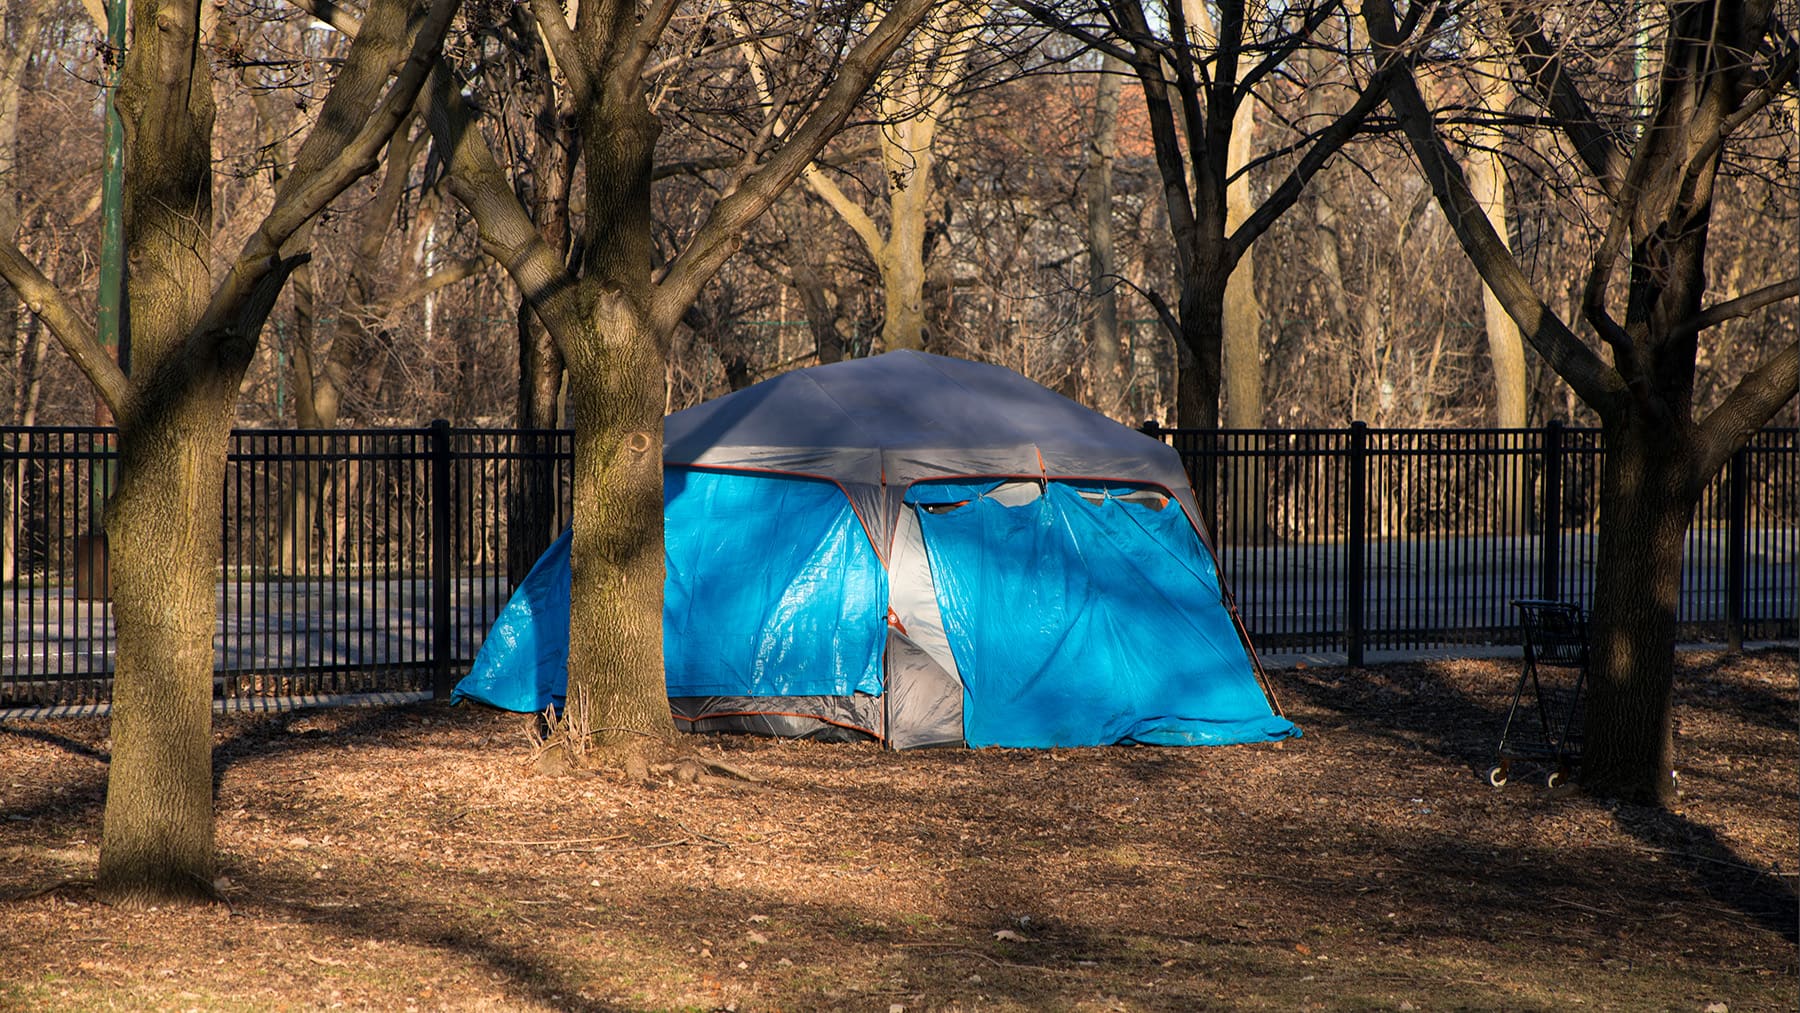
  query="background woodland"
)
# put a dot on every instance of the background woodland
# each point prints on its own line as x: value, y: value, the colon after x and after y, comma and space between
x: 956, y: 213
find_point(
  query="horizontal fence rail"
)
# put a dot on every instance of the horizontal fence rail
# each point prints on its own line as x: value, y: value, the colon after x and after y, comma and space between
x: 375, y: 560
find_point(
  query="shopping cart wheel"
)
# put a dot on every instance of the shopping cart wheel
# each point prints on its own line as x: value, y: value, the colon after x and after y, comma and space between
x: 1497, y: 776
x: 1557, y: 778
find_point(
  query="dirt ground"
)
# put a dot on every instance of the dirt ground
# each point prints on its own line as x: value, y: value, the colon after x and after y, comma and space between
x: 401, y: 859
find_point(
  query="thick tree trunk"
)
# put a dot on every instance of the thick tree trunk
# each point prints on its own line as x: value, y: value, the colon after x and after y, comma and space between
x: 615, y: 621
x: 163, y: 522
x: 1648, y: 501
x: 617, y: 371
x: 902, y: 261
x: 1202, y: 319
x: 157, y: 841
x: 531, y: 496
x: 1106, y: 371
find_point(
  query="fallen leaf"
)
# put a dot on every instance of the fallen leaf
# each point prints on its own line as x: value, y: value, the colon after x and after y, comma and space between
x: 1008, y: 935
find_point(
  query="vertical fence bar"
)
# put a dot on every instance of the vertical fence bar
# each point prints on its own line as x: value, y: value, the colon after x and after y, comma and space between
x: 1357, y: 542
x: 1550, y: 522
x: 1737, y: 518
x: 440, y: 559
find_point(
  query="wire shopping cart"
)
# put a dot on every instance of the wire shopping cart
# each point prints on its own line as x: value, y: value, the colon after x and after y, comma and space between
x: 1545, y: 726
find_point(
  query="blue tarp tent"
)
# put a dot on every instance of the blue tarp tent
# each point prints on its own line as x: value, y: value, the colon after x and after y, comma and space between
x: 928, y: 552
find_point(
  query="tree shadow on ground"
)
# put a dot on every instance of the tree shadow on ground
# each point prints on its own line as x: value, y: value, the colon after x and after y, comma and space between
x: 1711, y: 864
x: 65, y: 742
x: 1419, y: 709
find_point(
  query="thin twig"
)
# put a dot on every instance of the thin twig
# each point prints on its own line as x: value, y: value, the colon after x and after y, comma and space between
x: 52, y: 888
x: 566, y: 840
x: 705, y: 837
x: 1584, y: 907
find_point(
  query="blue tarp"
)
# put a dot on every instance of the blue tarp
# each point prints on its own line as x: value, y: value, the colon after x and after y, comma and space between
x: 1078, y: 623
x: 772, y: 589
x: 523, y: 665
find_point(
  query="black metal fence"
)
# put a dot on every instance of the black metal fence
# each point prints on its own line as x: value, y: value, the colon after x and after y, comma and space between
x: 351, y: 561
x: 1347, y: 541
x: 375, y: 560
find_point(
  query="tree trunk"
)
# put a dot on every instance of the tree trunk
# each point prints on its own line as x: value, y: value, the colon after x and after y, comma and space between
x: 531, y: 496
x: 163, y: 523
x: 617, y: 371
x: 157, y: 841
x: 1107, y: 370
x: 1647, y: 503
x: 1506, y: 345
x: 902, y: 259
x: 1202, y: 318
x: 823, y: 320
x: 1245, y: 514
x: 615, y: 620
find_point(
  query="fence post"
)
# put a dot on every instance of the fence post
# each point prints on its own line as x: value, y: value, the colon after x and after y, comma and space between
x: 1737, y: 536
x: 1550, y: 520
x: 441, y: 563
x: 1358, y: 541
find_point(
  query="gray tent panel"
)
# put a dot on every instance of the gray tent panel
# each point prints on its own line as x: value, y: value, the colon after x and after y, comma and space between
x: 831, y: 718
x: 925, y: 703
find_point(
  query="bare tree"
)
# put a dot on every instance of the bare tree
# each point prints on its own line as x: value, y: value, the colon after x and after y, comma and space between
x: 915, y: 98
x: 612, y: 312
x: 1194, y: 84
x: 19, y: 25
x: 1656, y: 168
x: 192, y: 340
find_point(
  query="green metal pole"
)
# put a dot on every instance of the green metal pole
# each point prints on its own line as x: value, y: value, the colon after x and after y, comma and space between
x: 91, y: 555
x: 112, y: 196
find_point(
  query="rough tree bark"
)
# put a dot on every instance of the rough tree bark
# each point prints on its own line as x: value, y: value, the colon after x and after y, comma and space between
x: 1721, y: 64
x: 192, y: 342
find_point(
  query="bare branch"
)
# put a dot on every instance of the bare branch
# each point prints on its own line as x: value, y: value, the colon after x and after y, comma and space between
x: 723, y: 230
x: 1746, y: 409
x: 43, y: 298
x: 328, y: 161
x: 1592, y: 379
x: 507, y: 232
x: 1743, y: 305
x: 1600, y: 149
x: 436, y: 280
x: 1325, y: 144
x: 332, y: 14
x: 851, y: 212
x: 649, y: 29
x: 565, y: 55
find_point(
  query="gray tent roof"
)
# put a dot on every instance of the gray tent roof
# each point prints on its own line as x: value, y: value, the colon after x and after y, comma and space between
x: 877, y: 425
